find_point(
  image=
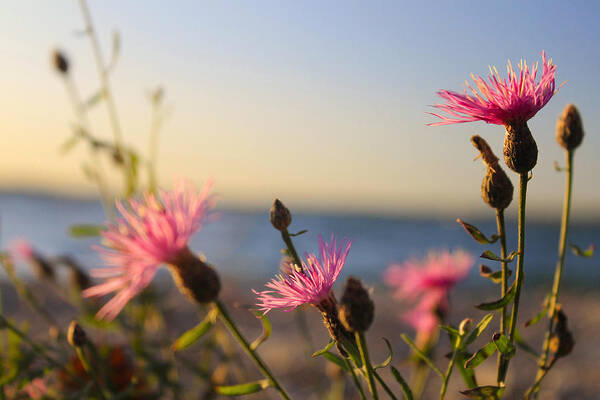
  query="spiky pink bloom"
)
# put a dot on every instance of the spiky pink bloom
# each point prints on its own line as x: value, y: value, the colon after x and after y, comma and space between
x: 149, y: 233
x: 427, y: 283
x: 501, y: 101
x: 312, y: 285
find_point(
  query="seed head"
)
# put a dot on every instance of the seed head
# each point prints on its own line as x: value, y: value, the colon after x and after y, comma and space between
x: 60, y: 62
x: 569, y: 128
x: 280, y: 216
x: 76, y: 336
x: 520, y: 149
x: 356, y: 308
x: 195, y: 278
x: 496, y: 188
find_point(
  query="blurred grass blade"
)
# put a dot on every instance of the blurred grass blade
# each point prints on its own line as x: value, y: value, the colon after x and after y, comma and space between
x: 388, y: 360
x: 192, y: 335
x: 266, y: 331
x: 243, y: 389
x: 408, y: 395
x: 541, y: 314
x: 498, y: 304
x: 86, y: 230
x: 476, y: 233
x: 484, y: 392
x: 422, y: 355
x: 481, y: 355
x: 479, y: 328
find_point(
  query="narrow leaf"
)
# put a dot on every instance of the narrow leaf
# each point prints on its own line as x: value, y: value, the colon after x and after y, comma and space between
x: 243, y: 389
x: 324, y: 349
x: 588, y: 253
x: 266, y: 331
x: 476, y: 233
x: 337, y: 360
x: 479, y: 328
x: 452, y: 331
x: 388, y: 360
x: 299, y: 233
x: 484, y: 392
x: 503, y: 345
x: 498, y: 304
x: 86, y: 230
x: 494, y: 276
x: 422, y: 355
x: 541, y: 314
x: 481, y: 355
x: 192, y: 335
x: 408, y: 395
x: 520, y: 341
x: 491, y: 256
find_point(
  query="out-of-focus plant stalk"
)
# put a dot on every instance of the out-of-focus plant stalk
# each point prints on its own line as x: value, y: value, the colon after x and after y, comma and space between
x: 78, y: 107
x: 110, y: 102
x: 228, y: 321
x: 504, y: 284
x: 562, y: 247
x: 523, y: 179
x: 364, y: 355
x: 354, y: 377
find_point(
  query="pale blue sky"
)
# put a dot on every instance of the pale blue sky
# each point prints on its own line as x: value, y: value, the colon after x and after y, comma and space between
x: 323, y: 104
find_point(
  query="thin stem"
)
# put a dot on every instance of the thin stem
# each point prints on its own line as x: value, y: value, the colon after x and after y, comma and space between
x: 449, y: 370
x: 86, y: 365
x: 246, y: 346
x: 384, y: 386
x: 519, y: 275
x: 364, y: 355
x: 562, y: 246
x: 502, y: 234
x: 285, y: 235
x: 354, y: 378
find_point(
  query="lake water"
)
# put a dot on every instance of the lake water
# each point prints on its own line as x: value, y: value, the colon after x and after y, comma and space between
x: 246, y: 245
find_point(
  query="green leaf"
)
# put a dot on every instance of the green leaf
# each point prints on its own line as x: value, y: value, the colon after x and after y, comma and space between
x: 476, y: 233
x: 479, y: 328
x: 491, y: 256
x: 498, y: 304
x: 408, y: 395
x: 324, y: 349
x: 337, y: 360
x: 541, y: 314
x: 422, y: 355
x: 503, y: 345
x: 520, y: 341
x: 484, y: 392
x: 388, y: 360
x: 481, y: 355
x: 299, y: 233
x: 494, y: 276
x: 588, y: 253
x: 192, y: 335
x: 243, y: 389
x: 452, y: 331
x: 86, y: 230
x: 468, y: 375
x: 266, y: 331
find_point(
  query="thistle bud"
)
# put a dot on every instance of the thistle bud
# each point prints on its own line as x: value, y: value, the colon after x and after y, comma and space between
x: 569, y: 128
x: 496, y: 188
x: 195, y: 278
x: 465, y: 326
x: 280, y: 216
x: 356, y: 309
x: 76, y: 336
x: 561, y: 341
x: 60, y: 62
x: 520, y: 149
x: 337, y: 331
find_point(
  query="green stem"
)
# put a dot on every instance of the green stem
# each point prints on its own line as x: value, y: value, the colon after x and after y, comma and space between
x: 449, y: 370
x: 246, y: 346
x: 562, y: 247
x: 86, y: 365
x: 384, y: 386
x: 354, y: 378
x: 364, y: 355
x: 285, y: 235
x: 519, y: 275
x: 502, y: 362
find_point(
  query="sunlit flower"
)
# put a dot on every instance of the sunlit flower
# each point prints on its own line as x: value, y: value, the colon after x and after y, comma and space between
x: 311, y: 285
x: 150, y: 232
x: 500, y: 101
x: 426, y: 284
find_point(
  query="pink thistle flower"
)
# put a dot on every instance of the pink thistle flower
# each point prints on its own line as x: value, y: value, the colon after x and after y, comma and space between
x: 23, y: 249
x: 428, y: 282
x: 149, y: 233
x: 312, y: 285
x: 501, y: 101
